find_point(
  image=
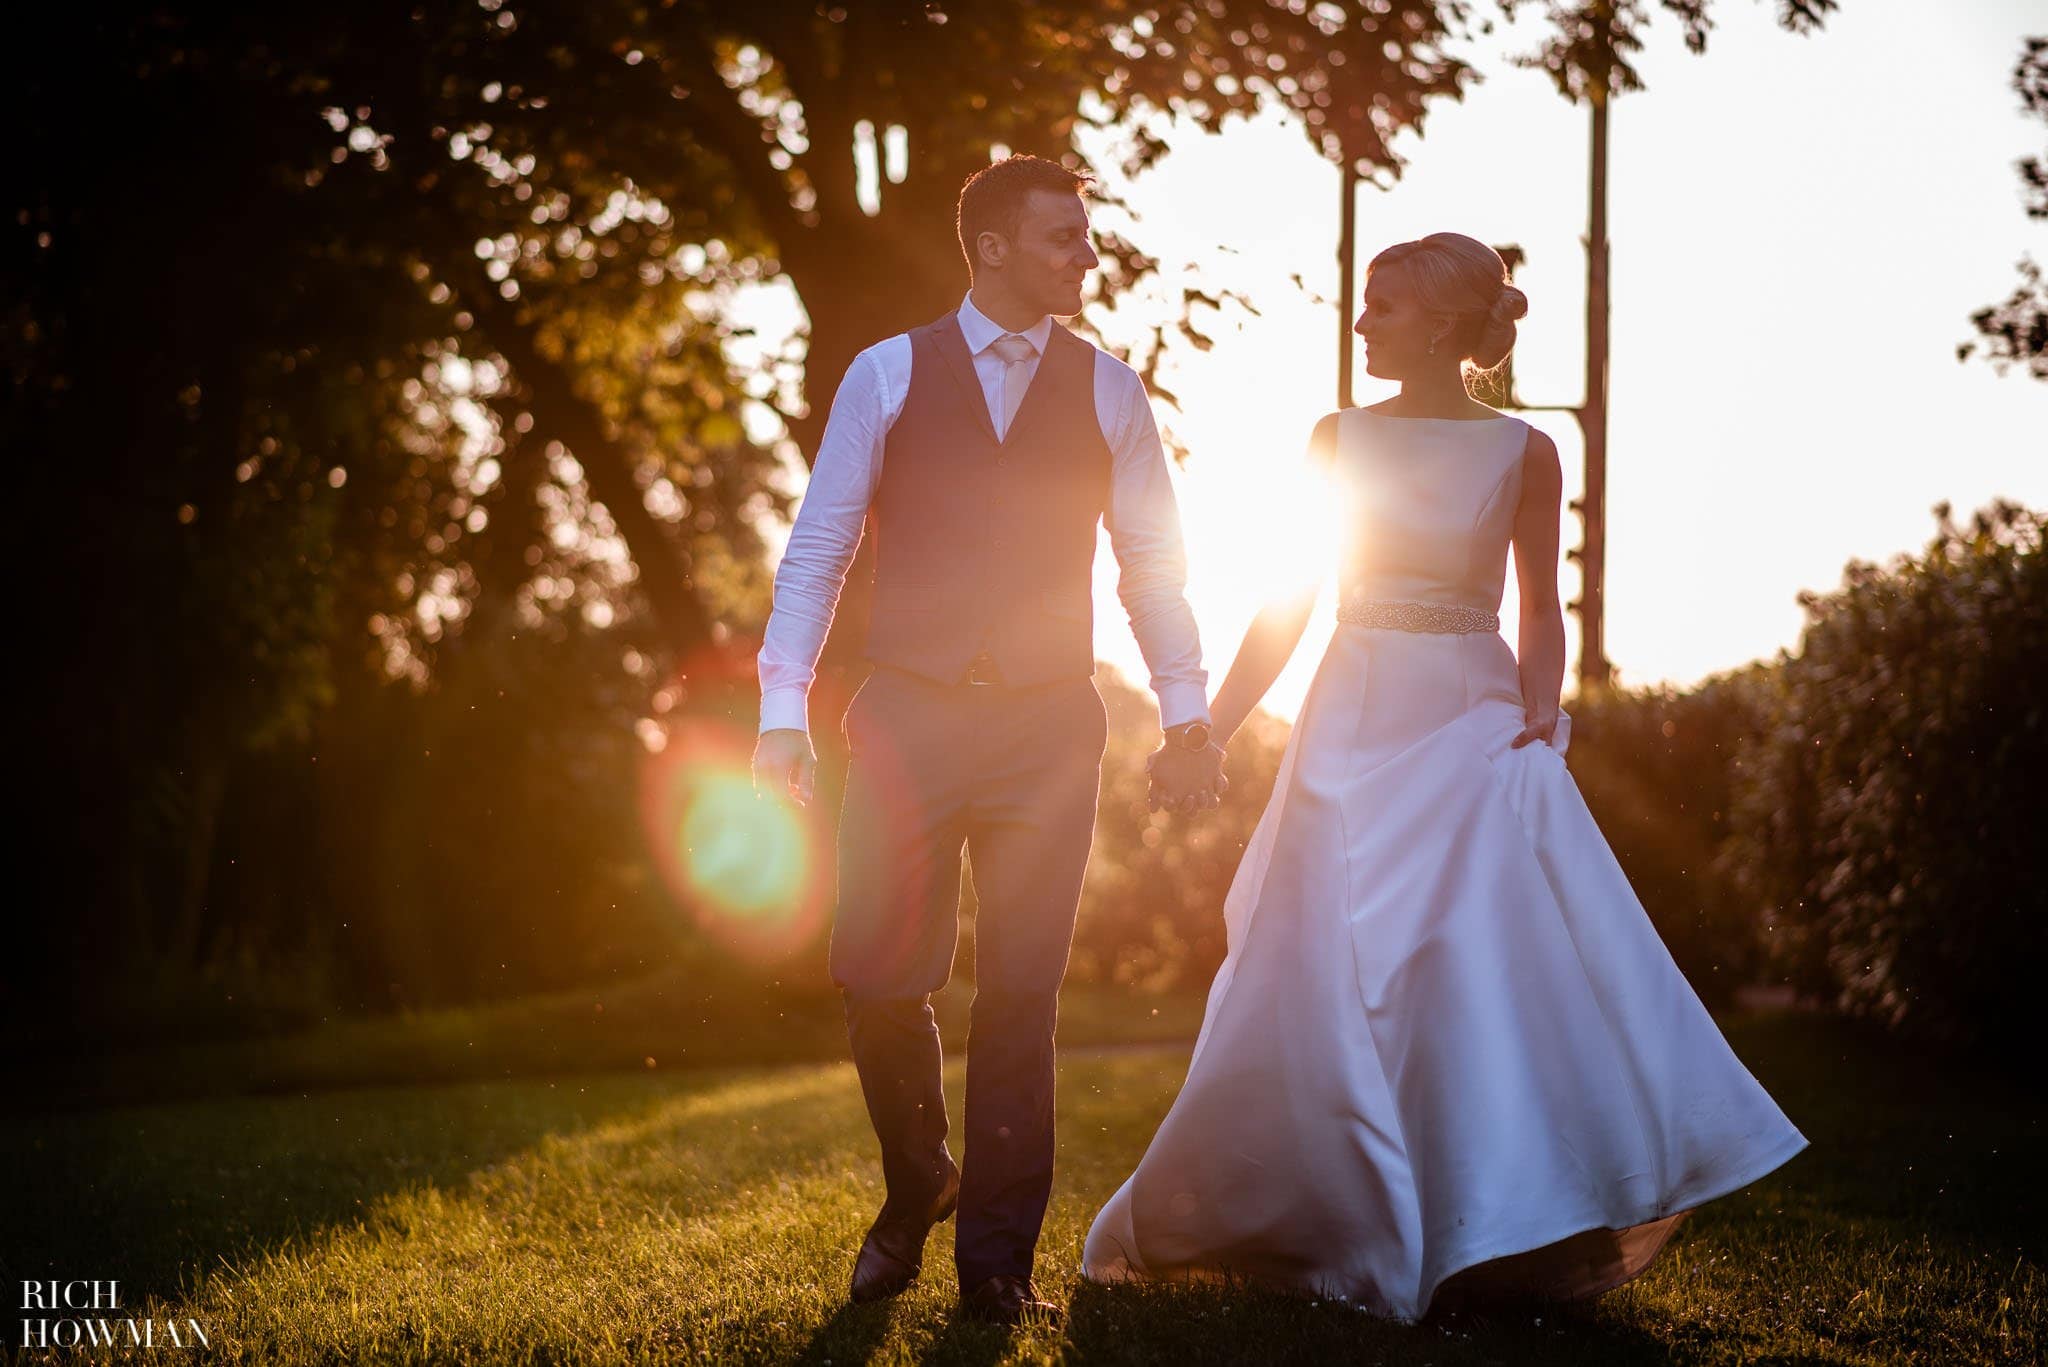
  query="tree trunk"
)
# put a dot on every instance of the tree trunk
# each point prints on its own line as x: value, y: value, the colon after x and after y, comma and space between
x: 205, y: 791
x: 560, y: 412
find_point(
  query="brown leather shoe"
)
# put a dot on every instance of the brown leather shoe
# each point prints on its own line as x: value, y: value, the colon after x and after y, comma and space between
x: 893, y: 1253
x: 1007, y: 1300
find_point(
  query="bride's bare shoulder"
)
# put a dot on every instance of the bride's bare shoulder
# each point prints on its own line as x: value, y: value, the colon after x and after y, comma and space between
x: 1542, y: 471
x: 1322, y: 442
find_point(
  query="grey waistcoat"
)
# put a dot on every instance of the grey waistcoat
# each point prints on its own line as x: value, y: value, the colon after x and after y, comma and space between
x: 981, y: 543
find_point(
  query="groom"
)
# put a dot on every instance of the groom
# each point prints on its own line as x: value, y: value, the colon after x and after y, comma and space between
x: 985, y: 447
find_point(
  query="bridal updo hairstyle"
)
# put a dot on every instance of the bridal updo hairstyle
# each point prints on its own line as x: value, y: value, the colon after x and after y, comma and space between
x: 1466, y: 281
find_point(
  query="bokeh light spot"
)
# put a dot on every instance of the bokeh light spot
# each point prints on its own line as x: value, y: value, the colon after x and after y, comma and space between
x: 742, y: 852
x: 749, y: 871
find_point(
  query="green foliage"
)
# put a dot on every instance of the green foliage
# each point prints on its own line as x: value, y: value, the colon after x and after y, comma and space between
x: 437, y: 341
x: 432, y: 346
x: 1152, y: 908
x: 283, y: 464
x: 1589, y: 50
x: 1860, y: 819
x: 1657, y: 770
x: 2015, y: 330
x: 788, y: 97
x: 1889, y: 814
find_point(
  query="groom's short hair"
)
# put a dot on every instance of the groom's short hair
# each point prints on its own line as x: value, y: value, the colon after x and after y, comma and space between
x: 992, y: 200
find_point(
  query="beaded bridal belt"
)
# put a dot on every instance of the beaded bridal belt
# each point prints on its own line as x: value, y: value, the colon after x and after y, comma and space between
x: 1449, y: 617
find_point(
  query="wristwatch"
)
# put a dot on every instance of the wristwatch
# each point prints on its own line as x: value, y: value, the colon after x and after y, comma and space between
x: 1192, y: 735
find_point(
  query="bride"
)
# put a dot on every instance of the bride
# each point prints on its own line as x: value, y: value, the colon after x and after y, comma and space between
x: 1446, y: 1040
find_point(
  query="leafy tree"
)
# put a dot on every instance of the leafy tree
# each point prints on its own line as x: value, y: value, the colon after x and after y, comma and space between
x: 497, y: 136
x: 1588, y: 52
x: 361, y: 350
x: 192, y: 391
x: 2015, y: 331
x: 285, y: 476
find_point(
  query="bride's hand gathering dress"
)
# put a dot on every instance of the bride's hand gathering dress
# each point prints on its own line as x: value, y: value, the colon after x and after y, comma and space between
x: 1445, y: 1031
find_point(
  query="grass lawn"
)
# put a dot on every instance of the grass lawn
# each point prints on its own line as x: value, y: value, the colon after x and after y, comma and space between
x: 686, y: 1017
x: 711, y: 1217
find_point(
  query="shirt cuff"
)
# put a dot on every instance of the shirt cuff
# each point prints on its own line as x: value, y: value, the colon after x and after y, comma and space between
x: 1180, y: 703
x: 785, y: 709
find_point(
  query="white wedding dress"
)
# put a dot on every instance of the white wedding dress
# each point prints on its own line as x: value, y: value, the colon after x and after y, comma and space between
x: 1445, y: 1032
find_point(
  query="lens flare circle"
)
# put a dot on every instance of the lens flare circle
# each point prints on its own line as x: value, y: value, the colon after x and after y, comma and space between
x: 749, y: 871
x: 744, y: 854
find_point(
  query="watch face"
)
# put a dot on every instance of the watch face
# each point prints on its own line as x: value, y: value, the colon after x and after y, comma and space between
x: 1194, y: 736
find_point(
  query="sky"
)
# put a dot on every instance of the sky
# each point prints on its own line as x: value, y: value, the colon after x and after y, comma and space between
x: 1800, y: 229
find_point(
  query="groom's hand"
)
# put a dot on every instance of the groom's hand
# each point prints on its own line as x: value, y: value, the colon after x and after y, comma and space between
x: 785, y: 766
x: 1186, y: 781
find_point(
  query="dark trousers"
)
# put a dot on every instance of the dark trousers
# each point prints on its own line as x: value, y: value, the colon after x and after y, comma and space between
x: 1010, y: 774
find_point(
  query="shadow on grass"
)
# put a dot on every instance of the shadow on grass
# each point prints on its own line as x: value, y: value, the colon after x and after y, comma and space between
x: 158, y: 1196
x: 854, y: 1334
x: 1174, y: 1325
x: 713, y: 1216
x: 1939, y: 1143
x: 970, y: 1342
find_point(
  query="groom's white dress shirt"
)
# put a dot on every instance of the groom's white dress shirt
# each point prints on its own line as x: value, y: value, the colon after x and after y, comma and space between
x: 1143, y: 521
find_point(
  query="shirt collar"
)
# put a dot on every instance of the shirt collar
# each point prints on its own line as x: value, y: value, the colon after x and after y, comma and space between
x: 978, y: 330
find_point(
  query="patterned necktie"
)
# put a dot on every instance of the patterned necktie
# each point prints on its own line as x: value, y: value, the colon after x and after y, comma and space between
x: 1015, y: 352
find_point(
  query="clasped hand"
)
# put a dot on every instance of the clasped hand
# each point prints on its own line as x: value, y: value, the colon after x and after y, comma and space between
x: 1184, y: 780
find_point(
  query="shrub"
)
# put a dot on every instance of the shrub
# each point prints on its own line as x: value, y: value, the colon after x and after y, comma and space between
x: 1655, y: 766
x: 1152, y: 909
x: 1888, y: 819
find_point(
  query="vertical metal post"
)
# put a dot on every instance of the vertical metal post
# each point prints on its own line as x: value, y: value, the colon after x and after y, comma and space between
x: 1347, y: 302
x: 1595, y: 673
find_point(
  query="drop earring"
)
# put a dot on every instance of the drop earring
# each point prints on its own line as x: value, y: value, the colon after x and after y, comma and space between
x: 1432, y: 346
